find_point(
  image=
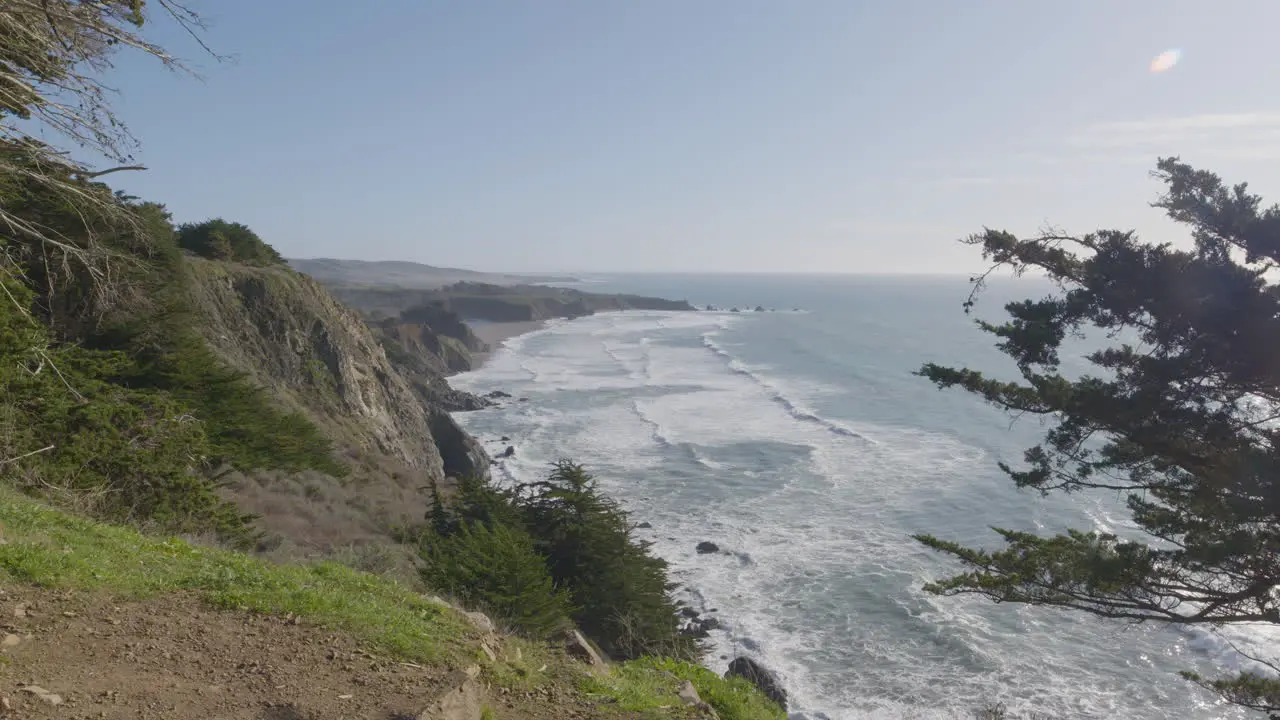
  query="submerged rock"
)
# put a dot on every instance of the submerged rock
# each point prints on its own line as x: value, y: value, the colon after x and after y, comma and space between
x: 695, y: 631
x: 760, y: 676
x: 644, y: 526
x: 497, y: 394
x: 706, y: 547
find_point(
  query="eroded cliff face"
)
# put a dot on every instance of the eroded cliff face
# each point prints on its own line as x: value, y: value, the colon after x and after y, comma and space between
x: 319, y: 358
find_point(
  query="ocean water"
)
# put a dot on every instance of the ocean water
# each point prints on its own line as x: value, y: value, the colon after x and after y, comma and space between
x: 801, y: 444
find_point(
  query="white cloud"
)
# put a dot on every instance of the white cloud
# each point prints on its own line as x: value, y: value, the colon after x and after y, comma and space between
x: 858, y: 227
x: 1225, y: 135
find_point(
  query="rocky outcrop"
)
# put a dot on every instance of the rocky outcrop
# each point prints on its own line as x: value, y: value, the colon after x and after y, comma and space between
x: 463, y: 456
x: 761, y: 677
x: 318, y: 356
x: 425, y: 357
x: 577, y: 646
x: 480, y: 301
x: 384, y: 407
x: 706, y: 547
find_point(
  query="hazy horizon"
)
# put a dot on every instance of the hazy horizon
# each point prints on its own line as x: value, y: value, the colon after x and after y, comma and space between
x: 825, y: 136
x: 609, y: 272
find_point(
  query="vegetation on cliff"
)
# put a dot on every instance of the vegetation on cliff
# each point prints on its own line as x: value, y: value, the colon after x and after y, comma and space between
x: 497, y: 303
x: 567, y: 551
x: 112, y: 398
x: 1181, y: 419
x: 218, y: 239
x: 137, y: 380
x: 52, y: 549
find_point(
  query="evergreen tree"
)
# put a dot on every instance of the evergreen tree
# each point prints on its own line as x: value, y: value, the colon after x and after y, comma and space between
x: 496, y: 568
x: 218, y: 239
x: 620, y: 589
x: 1181, y: 418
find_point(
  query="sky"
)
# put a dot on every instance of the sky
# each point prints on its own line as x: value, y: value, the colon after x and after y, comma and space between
x: 717, y: 135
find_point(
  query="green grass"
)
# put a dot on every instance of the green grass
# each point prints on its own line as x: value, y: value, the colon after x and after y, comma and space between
x: 52, y: 549
x: 648, y: 686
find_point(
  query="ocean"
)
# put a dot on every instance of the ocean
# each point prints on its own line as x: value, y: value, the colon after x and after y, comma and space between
x: 800, y: 443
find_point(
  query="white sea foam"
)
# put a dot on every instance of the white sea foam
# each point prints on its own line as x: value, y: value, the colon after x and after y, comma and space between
x: 819, y: 578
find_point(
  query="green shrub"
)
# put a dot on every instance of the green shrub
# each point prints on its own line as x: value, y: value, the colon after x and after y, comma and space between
x: 733, y: 698
x: 649, y: 686
x: 619, y: 592
x: 496, y: 569
x: 110, y: 400
x: 219, y: 239
x: 119, y: 452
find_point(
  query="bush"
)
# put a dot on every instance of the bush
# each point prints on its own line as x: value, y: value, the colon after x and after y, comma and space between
x: 218, y: 239
x: 496, y: 569
x: 649, y: 685
x: 110, y: 400
x: 619, y: 593
x: 119, y: 452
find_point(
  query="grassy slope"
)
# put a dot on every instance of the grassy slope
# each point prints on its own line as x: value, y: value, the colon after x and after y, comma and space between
x: 50, y: 548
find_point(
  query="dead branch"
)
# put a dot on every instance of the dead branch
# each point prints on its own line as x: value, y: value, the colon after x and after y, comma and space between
x: 100, y: 173
x: 26, y: 455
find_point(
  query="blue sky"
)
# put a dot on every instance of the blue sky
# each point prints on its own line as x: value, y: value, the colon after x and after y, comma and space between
x: 669, y: 135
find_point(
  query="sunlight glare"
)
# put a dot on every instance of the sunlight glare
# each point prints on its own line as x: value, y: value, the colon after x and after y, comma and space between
x: 1165, y: 61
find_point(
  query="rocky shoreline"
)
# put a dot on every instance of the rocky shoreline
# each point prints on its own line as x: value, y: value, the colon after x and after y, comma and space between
x: 695, y: 624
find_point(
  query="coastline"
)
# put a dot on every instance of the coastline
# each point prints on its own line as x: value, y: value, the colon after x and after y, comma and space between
x: 493, y: 334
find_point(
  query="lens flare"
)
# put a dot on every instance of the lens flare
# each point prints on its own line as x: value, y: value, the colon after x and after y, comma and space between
x: 1165, y: 61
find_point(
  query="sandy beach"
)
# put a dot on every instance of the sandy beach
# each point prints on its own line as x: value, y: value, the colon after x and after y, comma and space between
x: 494, y: 333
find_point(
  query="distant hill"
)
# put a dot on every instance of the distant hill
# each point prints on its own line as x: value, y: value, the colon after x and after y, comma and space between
x: 409, y: 275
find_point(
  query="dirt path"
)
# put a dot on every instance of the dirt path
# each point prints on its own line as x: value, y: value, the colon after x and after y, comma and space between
x: 67, y: 655
x: 177, y: 658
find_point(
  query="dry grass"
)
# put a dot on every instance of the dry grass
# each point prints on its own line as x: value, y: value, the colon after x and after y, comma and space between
x: 354, y: 521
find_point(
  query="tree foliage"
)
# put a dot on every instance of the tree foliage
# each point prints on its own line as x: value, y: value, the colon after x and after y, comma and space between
x: 621, y: 589
x: 615, y: 591
x: 495, y: 568
x: 1180, y: 418
x: 109, y: 396
x: 218, y: 239
x: 53, y: 55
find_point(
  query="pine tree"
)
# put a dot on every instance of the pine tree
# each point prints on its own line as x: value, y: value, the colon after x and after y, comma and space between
x: 620, y: 589
x: 496, y: 568
x: 1181, y: 418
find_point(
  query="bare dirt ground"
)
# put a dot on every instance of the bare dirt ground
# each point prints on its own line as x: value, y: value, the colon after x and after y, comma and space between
x: 73, y: 655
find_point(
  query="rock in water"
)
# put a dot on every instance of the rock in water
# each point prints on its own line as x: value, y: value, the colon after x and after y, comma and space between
x: 706, y: 548
x: 510, y: 451
x: 760, y: 676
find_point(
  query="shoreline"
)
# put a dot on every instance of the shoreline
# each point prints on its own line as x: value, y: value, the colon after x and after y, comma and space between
x: 493, y: 334
x: 697, y: 619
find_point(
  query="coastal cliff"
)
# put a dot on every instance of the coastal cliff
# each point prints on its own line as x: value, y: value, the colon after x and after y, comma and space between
x: 496, y: 303
x: 387, y: 418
